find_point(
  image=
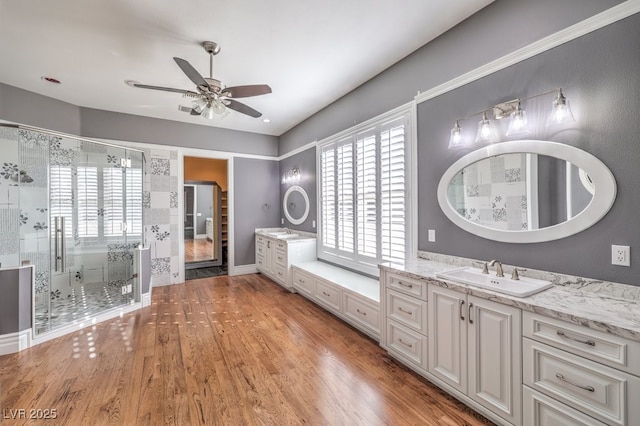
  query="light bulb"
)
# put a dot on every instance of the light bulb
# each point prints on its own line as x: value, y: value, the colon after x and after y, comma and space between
x: 486, y: 134
x: 199, y: 104
x: 207, y: 112
x: 455, y: 141
x: 561, y: 111
x: 518, y: 122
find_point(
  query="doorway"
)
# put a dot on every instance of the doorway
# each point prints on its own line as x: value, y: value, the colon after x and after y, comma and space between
x: 205, y: 217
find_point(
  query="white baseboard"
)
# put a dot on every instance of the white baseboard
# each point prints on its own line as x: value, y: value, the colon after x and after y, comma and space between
x: 146, y: 299
x: 243, y: 270
x: 15, y: 342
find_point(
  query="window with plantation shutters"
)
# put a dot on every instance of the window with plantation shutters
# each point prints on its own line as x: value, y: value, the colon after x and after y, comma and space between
x: 363, y: 195
x: 61, y: 203
x: 87, y: 202
x: 113, y: 210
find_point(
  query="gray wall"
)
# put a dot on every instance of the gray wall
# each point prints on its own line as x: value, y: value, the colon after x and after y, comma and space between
x: 306, y: 162
x: 15, y: 303
x: 256, y: 195
x: 599, y: 74
x: 113, y: 125
x: 498, y: 29
x: 23, y: 107
x: 204, y: 206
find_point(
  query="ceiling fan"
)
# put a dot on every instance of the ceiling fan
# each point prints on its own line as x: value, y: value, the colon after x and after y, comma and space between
x: 211, y: 97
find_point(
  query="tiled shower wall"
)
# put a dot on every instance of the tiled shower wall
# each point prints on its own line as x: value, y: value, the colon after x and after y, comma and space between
x: 161, y: 215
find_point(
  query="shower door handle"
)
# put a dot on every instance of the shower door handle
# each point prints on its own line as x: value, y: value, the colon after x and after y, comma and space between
x: 60, y: 245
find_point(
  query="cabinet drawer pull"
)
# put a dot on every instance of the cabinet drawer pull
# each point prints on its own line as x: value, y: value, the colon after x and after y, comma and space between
x: 470, y: 319
x: 587, y: 388
x: 461, y: 303
x: 586, y: 342
x: 326, y: 294
x: 409, y: 345
x: 405, y: 285
x: 406, y: 312
x: 361, y: 312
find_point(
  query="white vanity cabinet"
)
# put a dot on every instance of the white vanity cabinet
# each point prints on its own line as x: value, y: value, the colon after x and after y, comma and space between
x: 274, y: 256
x: 573, y: 372
x: 474, y: 347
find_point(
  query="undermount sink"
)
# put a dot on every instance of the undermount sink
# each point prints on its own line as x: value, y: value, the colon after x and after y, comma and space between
x: 473, y: 276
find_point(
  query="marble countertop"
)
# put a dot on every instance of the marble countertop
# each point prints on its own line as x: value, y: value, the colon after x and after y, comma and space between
x: 604, y: 306
x: 300, y: 235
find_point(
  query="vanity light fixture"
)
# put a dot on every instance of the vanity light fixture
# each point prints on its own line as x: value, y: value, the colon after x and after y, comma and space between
x: 561, y: 110
x: 291, y: 176
x: 486, y: 132
x: 456, y: 137
x: 518, y: 123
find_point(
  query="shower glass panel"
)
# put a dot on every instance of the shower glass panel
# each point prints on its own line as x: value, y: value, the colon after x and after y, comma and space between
x: 81, y: 219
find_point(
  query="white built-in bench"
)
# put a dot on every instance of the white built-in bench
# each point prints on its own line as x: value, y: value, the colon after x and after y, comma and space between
x: 348, y: 295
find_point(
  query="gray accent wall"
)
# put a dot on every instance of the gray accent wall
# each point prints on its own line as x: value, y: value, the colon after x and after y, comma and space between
x: 306, y: 162
x: 134, y: 128
x: 256, y: 196
x: 496, y: 30
x: 599, y: 75
x: 28, y: 108
x: 15, y: 303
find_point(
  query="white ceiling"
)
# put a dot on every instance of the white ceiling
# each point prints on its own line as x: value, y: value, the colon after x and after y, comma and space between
x: 310, y: 52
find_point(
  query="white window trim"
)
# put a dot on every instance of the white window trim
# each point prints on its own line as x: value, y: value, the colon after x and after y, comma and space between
x: 411, y: 237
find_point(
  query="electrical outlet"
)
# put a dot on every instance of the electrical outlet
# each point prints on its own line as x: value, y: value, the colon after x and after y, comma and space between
x: 620, y: 255
x: 432, y: 235
x: 313, y: 223
x: 282, y: 221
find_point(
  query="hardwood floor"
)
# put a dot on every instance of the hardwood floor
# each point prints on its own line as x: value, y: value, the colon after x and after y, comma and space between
x: 225, y: 350
x: 198, y: 250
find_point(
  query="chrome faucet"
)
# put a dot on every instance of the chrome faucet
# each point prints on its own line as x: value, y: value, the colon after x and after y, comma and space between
x: 499, y: 270
x: 287, y: 230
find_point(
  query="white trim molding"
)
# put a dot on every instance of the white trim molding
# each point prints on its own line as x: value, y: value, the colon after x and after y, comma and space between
x: 146, y: 299
x: 608, y: 17
x: 15, y: 342
x: 243, y: 270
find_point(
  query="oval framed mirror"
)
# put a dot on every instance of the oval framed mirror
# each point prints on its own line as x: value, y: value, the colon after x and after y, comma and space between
x: 296, y: 205
x: 526, y: 191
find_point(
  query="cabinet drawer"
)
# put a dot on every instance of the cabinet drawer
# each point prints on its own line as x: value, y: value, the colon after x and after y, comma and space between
x: 260, y: 261
x: 281, y: 245
x: 280, y: 258
x: 407, y: 285
x: 303, y: 282
x: 260, y: 249
x: 281, y: 274
x: 407, y: 310
x: 328, y: 295
x: 611, y: 350
x: 597, y: 390
x: 540, y: 410
x: 361, y: 312
x: 408, y: 343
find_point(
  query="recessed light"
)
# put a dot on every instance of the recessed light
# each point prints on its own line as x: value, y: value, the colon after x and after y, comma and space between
x: 266, y: 120
x: 50, y: 79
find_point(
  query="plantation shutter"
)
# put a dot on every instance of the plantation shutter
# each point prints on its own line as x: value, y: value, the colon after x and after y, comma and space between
x: 134, y: 201
x: 62, y: 196
x: 328, y: 196
x: 87, y: 202
x: 113, y: 201
x: 367, y: 194
x: 344, y: 195
x: 392, y: 190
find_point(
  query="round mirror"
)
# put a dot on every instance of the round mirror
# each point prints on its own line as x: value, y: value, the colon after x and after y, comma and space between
x: 526, y: 191
x: 296, y: 205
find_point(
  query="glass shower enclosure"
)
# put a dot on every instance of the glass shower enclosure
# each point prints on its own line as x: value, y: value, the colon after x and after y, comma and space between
x: 78, y: 210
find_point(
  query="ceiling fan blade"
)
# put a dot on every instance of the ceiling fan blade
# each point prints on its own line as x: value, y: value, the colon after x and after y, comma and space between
x: 191, y: 72
x: 246, y: 91
x: 240, y: 107
x: 188, y: 109
x: 164, y: 89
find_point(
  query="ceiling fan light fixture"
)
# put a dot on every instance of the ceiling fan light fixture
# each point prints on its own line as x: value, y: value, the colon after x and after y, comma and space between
x: 199, y: 104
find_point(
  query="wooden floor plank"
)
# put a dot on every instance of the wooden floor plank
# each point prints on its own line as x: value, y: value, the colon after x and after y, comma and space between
x: 223, y: 350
